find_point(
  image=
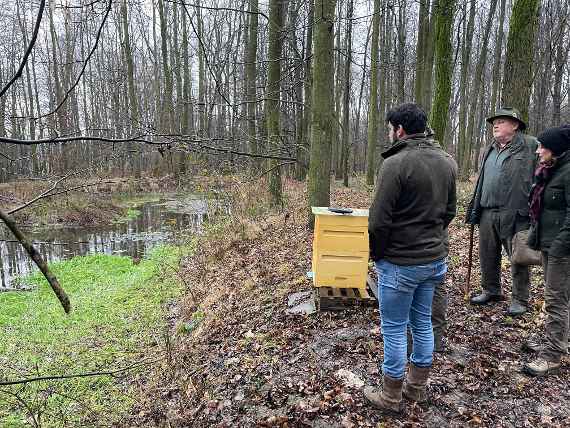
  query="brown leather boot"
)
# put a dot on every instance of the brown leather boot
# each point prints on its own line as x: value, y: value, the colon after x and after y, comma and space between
x: 415, y: 386
x: 389, y: 398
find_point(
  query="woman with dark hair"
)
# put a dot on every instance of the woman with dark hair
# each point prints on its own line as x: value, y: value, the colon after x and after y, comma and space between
x: 550, y: 233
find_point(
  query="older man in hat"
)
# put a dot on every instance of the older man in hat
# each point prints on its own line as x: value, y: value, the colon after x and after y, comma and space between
x: 500, y: 206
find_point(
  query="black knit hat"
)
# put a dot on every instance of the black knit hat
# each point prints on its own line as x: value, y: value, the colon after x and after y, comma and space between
x: 556, y: 139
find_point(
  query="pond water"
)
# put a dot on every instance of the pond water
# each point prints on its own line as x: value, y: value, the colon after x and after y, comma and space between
x: 151, y: 224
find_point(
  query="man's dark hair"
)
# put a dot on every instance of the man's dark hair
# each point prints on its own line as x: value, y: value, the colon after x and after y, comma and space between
x: 411, y: 116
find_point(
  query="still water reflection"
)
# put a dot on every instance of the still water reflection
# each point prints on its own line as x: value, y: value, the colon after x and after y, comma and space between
x: 158, y: 222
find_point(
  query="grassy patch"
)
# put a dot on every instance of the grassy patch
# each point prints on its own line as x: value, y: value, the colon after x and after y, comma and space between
x: 116, y: 321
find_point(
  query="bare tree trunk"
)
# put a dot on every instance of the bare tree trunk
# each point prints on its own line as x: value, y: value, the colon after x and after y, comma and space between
x: 517, y: 83
x: 543, y: 68
x: 429, y: 58
x: 297, y: 105
x: 175, y: 64
x: 187, y: 80
x: 421, y: 52
x: 303, y: 159
x: 276, y: 17
x: 439, y: 110
x: 496, y: 75
x: 203, y: 126
x: 560, y: 63
x: 360, y: 150
x: 156, y: 61
x: 463, y: 145
x: 167, y: 119
x: 337, y: 98
x: 389, y: 51
x: 58, y: 93
x: 373, y: 100
x: 132, y: 99
x: 322, y: 118
x: 383, y: 75
x: 346, y: 102
x: 477, y: 81
x: 251, y: 80
x: 401, y: 49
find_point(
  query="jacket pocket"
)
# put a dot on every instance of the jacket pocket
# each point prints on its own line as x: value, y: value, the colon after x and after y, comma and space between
x: 554, y: 199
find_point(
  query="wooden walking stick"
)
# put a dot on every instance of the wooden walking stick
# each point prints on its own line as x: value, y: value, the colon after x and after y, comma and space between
x: 469, y: 263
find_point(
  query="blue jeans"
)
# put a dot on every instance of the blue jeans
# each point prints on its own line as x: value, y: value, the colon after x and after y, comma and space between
x: 405, y: 297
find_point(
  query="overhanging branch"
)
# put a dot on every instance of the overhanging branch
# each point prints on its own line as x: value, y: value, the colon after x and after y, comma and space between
x: 57, y: 140
x: 167, y: 139
x: 28, y: 50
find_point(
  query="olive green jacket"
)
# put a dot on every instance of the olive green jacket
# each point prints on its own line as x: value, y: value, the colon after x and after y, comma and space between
x: 414, y: 202
x: 516, y: 179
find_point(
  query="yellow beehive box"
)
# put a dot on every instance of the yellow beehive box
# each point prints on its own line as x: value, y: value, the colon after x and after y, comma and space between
x: 340, y: 248
x: 337, y: 270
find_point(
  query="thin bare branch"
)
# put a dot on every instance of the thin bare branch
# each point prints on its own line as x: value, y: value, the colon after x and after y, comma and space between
x: 28, y: 50
x: 229, y: 9
x: 70, y: 90
x: 141, y: 363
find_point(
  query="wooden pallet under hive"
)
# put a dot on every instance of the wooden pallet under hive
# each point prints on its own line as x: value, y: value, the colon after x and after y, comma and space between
x: 332, y: 298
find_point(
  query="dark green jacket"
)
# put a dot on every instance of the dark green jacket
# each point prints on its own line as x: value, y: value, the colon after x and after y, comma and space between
x: 552, y: 232
x: 413, y: 204
x: 516, y: 179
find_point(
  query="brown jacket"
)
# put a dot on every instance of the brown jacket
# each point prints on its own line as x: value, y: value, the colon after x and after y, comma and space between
x: 413, y: 204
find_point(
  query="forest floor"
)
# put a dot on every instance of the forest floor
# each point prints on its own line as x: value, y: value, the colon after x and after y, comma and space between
x: 238, y: 359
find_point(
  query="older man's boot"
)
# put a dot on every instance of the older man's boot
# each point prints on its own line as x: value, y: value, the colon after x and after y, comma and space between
x: 516, y: 309
x: 389, y: 398
x: 415, y: 385
x: 486, y: 297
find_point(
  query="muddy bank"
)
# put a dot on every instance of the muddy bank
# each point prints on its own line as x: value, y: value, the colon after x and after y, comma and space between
x: 99, y: 203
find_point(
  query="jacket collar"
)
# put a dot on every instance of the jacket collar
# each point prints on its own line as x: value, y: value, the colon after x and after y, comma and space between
x: 514, y: 145
x: 411, y: 141
x: 564, y: 158
x: 517, y: 144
